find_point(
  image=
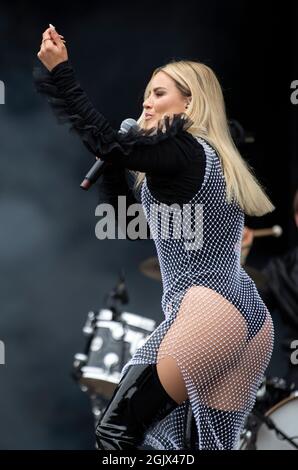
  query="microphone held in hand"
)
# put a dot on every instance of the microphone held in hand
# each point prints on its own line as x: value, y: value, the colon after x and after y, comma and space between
x: 97, y: 169
x: 93, y: 174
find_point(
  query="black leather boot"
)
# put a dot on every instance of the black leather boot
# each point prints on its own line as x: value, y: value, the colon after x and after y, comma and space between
x: 138, y: 402
x: 190, y: 428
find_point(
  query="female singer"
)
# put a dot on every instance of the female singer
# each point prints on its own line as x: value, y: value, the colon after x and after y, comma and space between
x: 210, y: 352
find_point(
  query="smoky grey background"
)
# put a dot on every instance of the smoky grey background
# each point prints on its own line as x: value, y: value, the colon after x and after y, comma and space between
x: 53, y: 268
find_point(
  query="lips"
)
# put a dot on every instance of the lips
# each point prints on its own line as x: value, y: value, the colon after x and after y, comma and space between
x: 148, y: 116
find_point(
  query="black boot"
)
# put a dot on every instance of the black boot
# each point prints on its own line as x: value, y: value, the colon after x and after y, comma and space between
x: 138, y: 402
x: 190, y: 428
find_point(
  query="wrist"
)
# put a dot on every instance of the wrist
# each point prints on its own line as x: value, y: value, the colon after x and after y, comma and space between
x: 64, y: 78
x: 60, y: 65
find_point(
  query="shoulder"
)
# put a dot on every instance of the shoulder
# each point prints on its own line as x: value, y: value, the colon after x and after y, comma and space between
x: 168, y: 132
x: 191, y: 142
x: 188, y: 146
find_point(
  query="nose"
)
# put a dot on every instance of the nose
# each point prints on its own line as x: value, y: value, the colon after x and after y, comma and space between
x: 147, y: 104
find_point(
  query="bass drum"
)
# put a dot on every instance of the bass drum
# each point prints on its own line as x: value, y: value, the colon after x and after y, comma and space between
x: 257, y: 435
x: 285, y: 417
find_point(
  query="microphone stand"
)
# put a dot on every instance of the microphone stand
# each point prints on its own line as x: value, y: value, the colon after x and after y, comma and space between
x: 118, y: 296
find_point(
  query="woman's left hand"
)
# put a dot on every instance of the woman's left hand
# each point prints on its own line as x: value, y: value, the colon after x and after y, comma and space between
x: 52, y: 49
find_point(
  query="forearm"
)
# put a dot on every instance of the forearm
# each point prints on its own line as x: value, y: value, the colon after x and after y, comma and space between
x: 71, y: 105
x: 77, y: 100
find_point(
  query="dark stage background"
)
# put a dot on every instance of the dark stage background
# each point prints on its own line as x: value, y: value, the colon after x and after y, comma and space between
x: 53, y: 269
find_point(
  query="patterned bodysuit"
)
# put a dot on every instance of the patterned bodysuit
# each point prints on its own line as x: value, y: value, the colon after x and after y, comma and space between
x: 216, y: 326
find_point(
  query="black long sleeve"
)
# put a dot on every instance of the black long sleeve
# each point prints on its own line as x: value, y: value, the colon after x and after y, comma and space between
x: 173, y: 160
x: 117, y: 182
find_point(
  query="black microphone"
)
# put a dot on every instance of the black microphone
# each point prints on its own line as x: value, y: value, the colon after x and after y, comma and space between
x: 97, y: 169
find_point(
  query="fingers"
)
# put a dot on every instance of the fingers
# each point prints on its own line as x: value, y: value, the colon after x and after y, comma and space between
x: 46, y: 40
x: 52, y: 34
x: 46, y: 33
x: 53, y: 42
x: 48, y: 44
x: 56, y: 38
x: 54, y: 29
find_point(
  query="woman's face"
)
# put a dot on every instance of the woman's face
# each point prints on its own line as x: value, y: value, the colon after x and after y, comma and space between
x: 164, y: 99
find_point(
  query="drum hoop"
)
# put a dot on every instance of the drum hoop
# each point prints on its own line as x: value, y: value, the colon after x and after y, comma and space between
x: 280, y: 403
x: 132, y: 319
x: 96, y: 373
x: 128, y: 318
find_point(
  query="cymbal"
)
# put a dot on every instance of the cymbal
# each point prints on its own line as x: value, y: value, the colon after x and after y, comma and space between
x: 150, y: 267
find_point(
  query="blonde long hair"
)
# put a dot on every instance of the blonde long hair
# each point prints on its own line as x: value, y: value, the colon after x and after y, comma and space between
x: 209, y: 121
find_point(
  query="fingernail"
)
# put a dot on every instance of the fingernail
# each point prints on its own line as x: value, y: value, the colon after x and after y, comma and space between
x: 51, y: 26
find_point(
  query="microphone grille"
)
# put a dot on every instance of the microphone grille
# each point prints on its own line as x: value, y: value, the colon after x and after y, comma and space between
x: 127, y: 124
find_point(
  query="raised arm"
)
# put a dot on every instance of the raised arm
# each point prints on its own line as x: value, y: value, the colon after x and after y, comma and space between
x: 164, y: 150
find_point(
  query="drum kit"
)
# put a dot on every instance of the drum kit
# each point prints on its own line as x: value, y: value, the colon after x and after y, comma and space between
x: 111, y: 338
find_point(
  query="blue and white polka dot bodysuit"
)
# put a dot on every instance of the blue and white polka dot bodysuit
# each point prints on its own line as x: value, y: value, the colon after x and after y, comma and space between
x: 216, y: 325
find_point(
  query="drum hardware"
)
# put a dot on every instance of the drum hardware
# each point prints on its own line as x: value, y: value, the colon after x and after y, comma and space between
x: 112, y: 337
x: 271, y: 425
x: 272, y: 391
x: 118, y: 296
x: 98, y: 404
x: 273, y: 422
x: 80, y: 360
